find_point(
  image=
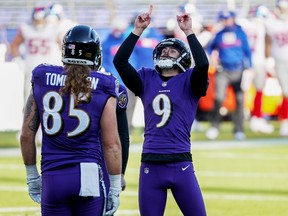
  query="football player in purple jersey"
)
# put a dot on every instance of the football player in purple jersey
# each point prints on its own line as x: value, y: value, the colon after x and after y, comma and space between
x: 123, y: 131
x: 170, y: 93
x: 73, y: 104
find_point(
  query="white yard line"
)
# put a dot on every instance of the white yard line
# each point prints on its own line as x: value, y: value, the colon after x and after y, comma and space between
x: 219, y: 196
x: 12, y: 167
x: 8, y: 152
x: 243, y: 174
x: 215, y: 144
x: 256, y: 156
x: 14, y: 188
x: 245, y: 197
x: 207, y: 144
x: 20, y: 209
x: 207, y: 196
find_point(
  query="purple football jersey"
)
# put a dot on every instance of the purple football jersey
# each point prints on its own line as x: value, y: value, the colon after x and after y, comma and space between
x: 169, y: 111
x: 70, y: 133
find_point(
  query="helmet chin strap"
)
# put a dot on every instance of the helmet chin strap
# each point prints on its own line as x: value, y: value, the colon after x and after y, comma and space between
x: 165, y: 63
x: 169, y: 63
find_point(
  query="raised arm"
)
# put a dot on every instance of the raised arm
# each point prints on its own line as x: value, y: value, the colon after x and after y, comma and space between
x: 127, y: 72
x: 199, y: 77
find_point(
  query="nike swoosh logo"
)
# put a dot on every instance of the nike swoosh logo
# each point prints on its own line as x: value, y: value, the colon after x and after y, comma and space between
x: 184, y: 168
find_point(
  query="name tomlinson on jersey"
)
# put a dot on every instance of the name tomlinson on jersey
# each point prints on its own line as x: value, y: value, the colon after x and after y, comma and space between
x: 54, y: 79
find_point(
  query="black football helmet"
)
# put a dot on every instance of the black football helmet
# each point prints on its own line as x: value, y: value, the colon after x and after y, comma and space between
x: 183, y: 61
x: 81, y: 45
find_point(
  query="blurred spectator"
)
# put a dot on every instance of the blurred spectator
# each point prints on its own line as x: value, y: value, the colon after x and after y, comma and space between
x: 234, y: 55
x: 254, y: 27
x: 277, y: 50
x: 3, y: 43
x: 35, y: 43
x: 41, y: 45
x: 111, y: 44
x: 55, y: 15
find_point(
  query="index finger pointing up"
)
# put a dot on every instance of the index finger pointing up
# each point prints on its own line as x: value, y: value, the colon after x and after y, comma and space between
x: 150, y: 10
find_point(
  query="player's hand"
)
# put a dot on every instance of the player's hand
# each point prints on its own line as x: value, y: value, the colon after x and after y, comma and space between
x: 185, y: 23
x: 142, y: 21
x: 34, y: 183
x: 123, y: 182
x: 34, y: 188
x: 113, y: 201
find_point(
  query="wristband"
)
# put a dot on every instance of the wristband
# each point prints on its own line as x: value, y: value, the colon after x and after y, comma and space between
x: 115, y: 182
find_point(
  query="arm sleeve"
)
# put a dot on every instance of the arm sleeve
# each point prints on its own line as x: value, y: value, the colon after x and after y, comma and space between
x: 127, y: 72
x: 199, y: 77
x: 123, y: 132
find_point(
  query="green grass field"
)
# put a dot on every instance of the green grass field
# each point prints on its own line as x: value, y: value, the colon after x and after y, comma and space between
x: 244, y: 178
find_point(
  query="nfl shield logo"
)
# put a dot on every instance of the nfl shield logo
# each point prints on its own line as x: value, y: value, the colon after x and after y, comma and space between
x: 146, y: 170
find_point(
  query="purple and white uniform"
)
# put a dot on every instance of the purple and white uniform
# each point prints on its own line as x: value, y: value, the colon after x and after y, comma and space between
x: 71, y: 135
x: 169, y: 111
x: 170, y: 105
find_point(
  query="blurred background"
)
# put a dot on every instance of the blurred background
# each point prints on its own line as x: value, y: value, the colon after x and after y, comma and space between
x: 237, y: 178
x: 99, y: 13
x: 102, y: 15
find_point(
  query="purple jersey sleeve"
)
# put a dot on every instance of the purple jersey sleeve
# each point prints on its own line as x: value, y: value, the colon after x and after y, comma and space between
x: 169, y: 111
x: 70, y: 133
x: 122, y: 100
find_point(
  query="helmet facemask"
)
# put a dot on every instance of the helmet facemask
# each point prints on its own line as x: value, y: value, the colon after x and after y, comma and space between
x: 183, y: 62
